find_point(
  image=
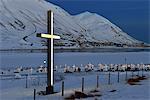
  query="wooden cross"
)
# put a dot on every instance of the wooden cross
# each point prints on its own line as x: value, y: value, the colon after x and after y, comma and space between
x: 50, y: 52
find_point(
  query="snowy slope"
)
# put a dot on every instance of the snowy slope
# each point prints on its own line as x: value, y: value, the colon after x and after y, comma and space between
x: 102, y: 29
x: 20, y: 20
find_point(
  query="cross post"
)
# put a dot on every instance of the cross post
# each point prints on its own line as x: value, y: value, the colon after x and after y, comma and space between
x: 50, y: 51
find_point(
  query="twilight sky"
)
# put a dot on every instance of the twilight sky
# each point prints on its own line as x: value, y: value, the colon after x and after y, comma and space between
x: 132, y: 16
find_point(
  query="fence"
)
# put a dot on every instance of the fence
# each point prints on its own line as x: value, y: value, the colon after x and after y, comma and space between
x: 82, y: 80
x: 103, y: 78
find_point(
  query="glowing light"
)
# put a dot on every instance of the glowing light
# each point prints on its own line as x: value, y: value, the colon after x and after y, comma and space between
x: 52, y: 46
x: 48, y: 36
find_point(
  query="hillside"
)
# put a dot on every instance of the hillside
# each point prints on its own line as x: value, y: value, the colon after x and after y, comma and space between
x: 21, y: 20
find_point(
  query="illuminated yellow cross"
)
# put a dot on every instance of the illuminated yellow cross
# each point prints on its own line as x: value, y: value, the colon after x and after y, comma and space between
x: 48, y: 36
x: 50, y: 52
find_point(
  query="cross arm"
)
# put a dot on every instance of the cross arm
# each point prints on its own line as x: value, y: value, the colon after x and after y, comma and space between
x: 48, y: 36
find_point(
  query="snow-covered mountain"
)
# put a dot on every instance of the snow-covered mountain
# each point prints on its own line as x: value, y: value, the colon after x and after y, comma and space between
x: 102, y: 29
x: 21, y: 20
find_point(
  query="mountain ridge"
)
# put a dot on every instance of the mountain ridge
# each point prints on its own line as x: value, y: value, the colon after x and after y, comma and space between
x: 21, y: 20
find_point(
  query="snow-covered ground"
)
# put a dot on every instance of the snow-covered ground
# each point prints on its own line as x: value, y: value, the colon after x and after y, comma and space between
x: 13, y: 60
x: 16, y: 90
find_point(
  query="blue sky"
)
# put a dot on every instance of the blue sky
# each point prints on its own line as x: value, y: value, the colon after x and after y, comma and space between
x: 132, y: 16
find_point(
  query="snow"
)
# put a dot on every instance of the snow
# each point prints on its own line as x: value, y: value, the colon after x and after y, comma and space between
x: 102, y: 29
x: 13, y: 60
x: 73, y: 82
x: 15, y: 89
x: 21, y: 20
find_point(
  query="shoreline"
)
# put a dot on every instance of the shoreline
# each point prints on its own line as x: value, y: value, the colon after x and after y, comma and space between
x: 59, y: 50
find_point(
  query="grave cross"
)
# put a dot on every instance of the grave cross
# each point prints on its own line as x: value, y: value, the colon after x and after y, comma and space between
x: 50, y: 52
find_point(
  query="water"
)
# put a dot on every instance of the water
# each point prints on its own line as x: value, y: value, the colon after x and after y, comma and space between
x: 13, y: 60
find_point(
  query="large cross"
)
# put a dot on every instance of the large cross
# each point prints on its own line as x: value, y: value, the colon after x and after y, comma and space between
x: 50, y: 52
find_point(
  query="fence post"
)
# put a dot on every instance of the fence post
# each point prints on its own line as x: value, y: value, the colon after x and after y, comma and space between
x: 109, y: 77
x: 62, y: 90
x: 34, y: 93
x: 138, y: 72
x: 132, y: 73
x: 26, y: 81
x: 83, y: 84
x: 126, y: 68
x: 97, y: 81
x: 142, y: 71
x: 118, y: 76
x: 126, y: 74
x: 38, y: 80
